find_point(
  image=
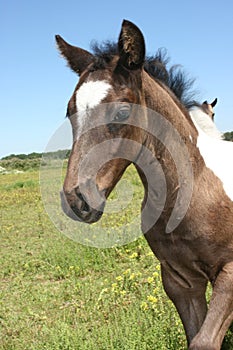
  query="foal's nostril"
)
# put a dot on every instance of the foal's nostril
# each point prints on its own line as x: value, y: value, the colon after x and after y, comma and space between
x: 79, y: 194
x: 75, y: 205
x: 84, y: 205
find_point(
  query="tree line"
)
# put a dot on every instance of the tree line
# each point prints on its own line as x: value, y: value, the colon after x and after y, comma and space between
x: 228, y: 136
x: 64, y: 154
x: 60, y: 154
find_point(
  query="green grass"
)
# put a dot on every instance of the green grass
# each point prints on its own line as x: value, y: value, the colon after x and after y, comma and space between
x: 59, y: 295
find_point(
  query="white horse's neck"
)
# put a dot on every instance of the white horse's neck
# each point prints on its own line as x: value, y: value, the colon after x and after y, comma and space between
x: 216, y: 152
x: 205, y: 123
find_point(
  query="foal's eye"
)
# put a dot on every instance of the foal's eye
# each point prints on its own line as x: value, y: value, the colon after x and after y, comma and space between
x: 122, y: 114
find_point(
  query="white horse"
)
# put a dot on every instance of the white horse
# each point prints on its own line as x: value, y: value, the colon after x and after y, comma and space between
x: 216, y: 152
x: 203, y: 118
x: 208, y: 108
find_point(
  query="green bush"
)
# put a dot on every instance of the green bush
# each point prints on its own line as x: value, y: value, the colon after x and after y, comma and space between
x: 228, y: 136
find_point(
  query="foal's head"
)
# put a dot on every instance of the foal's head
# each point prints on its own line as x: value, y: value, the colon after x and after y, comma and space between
x: 104, y: 98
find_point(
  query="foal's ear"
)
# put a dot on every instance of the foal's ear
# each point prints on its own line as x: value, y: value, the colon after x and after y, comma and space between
x: 78, y: 59
x: 214, y: 102
x: 131, y: 46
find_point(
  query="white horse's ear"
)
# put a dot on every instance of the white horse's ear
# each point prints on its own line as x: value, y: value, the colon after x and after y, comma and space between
x: 214, y: 102
x: 131, y: 46
x: 78, y: 59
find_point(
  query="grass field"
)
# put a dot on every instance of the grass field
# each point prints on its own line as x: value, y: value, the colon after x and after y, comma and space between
x: 59, y: 295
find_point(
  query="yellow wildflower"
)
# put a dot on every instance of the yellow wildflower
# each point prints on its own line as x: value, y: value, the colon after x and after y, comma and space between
x: 156, y: 274
x: 152, y: 299
x: 134, y: 255
x: 144, y: 306
x: 119, y: 278
x: 150, y: 280
x: 132, y: 276
x: 114, y: 286
x: 150, y: 254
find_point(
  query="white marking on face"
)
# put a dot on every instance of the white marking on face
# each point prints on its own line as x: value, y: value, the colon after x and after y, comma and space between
x: 89, y: 96
x: 217, y: 155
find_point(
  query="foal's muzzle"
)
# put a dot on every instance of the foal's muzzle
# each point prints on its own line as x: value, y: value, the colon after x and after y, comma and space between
x: 76, y: 206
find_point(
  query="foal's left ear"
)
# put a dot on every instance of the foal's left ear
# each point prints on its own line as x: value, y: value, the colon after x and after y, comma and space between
x: 131, y: 46
x: 78, y: 59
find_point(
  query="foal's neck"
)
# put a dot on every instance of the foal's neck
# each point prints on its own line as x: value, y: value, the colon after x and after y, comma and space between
x: 174, y: 145
x: 160, y: 99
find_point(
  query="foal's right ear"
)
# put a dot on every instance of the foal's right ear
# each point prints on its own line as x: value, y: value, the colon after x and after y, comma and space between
x: 78, y: 59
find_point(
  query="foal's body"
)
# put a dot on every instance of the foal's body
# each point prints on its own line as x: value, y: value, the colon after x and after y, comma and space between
x: 200, y: 247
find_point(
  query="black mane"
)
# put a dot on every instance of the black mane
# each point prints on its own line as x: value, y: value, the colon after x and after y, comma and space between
x: 175, y: 78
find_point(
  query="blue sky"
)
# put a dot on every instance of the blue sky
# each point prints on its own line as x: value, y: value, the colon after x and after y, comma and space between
x: 35, y: 83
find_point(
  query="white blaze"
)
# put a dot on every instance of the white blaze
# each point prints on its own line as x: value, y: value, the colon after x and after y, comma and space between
x: 89, y: 96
